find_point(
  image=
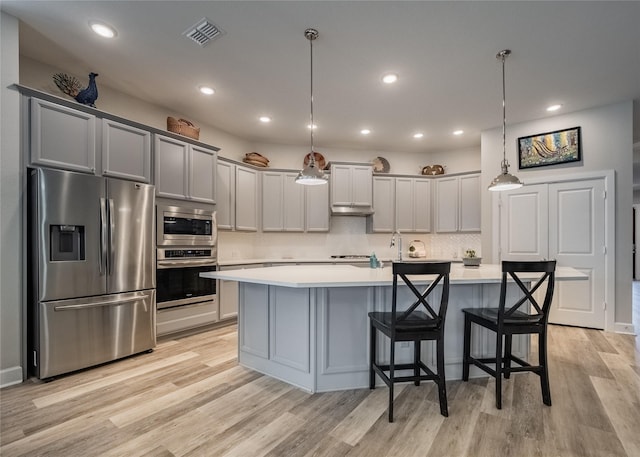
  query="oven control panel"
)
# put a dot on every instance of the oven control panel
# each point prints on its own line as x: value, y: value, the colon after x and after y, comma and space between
x: 186, y: 253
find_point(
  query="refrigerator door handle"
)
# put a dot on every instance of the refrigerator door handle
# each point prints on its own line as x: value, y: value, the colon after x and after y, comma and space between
x: 103, y: 237
x: 101, y: 303
x: 112, y: 229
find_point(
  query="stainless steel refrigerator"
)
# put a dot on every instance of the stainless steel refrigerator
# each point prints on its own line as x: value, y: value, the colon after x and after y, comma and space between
x: 91, y: 271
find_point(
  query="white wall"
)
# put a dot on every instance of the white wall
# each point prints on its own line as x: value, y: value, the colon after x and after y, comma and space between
x: 607, y: 138
x: 10, y: 208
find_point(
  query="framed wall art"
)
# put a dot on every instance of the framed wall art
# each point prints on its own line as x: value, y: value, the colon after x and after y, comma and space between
x: 550, y: 148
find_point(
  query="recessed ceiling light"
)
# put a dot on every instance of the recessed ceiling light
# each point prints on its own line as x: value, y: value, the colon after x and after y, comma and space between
x: 418, y: 135
x: 207, y: 90
x: 365, y: 131
x: 265, y: 119
x: 314, y: 126
x: 554, y: 107
x: 102, y: 29
x: 458, y: 132
x: 389, y: 78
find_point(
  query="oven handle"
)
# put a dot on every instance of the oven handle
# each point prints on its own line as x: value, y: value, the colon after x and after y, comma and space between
x: 185, y: 263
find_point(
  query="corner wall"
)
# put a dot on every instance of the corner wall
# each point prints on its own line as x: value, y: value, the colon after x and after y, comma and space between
x: 11, y: 325
x: 607, y: 144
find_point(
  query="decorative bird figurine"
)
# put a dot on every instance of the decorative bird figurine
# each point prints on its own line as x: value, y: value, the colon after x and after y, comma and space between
x: 89, y: 95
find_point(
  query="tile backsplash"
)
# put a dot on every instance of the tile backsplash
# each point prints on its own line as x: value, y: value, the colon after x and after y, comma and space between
x: 346, y: 236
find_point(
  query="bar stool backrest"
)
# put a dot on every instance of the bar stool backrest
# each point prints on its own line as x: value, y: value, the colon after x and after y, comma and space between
x: 519, y: 271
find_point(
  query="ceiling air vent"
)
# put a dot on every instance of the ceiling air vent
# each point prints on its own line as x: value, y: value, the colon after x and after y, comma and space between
x: 203, y: 32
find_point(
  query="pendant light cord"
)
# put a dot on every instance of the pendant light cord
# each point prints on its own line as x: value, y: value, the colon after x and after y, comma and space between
x: 311, y: 35
x: 504, y: 113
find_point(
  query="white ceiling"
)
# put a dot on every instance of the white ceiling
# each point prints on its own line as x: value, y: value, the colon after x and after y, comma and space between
x: 580, y: 54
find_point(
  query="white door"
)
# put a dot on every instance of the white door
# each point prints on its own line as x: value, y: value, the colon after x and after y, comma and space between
x: 563, y: 221
x: 524, y: 224
x: 576, y: 239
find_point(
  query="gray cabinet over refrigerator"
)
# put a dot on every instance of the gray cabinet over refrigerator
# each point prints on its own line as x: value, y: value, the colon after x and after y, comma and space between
x: 91, y: 270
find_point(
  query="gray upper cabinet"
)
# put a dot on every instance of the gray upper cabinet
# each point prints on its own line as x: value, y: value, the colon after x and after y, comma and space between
x: 225, y: 195
x: 413, y: 205
x: 246, y: 206
x: 184, y: 171
x: 283, y: 202
x: 384, y: 205
x: 62, y: 137
x: 351, y: 185
x: 401, y: 203
x: 291, y: 207
x: 457, y: 203
x: 126, y: 151
x: 236, y: 197
x: 316, y: 208
x: 170, y: 173
x: 201, y: 174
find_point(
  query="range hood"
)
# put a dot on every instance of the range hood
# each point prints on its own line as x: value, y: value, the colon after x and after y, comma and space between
x: 348, y: 210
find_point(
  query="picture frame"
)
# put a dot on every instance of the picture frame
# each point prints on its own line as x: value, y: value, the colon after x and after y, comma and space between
x: 550, y: 148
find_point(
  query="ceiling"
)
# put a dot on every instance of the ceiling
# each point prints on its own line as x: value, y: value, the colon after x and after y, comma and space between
x: 579, y: 54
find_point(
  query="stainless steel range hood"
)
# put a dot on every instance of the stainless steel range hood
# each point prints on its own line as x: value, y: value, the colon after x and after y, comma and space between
x: 337, y: 210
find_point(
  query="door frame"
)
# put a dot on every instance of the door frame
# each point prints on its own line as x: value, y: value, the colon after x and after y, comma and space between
x: 609, y: 231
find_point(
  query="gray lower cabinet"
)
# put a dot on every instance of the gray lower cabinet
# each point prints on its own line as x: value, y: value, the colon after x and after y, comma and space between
x: 184, y: 171
x: 228, y: 298
x: 62, y: 137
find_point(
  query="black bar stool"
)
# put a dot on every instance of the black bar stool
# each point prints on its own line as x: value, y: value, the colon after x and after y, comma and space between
x: 412, y: 325
x: 516, y: 319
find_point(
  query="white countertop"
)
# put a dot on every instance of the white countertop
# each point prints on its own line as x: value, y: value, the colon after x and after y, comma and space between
x: 352, y: 276
x: 322, y: 260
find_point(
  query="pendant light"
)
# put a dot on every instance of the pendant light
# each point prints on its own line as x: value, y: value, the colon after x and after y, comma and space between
x: 505, y: 180
x: 311, y: 175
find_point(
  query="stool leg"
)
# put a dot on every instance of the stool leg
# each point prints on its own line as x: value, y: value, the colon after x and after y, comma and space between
x: 499, y: 370
x: 416, y: 359
x: 391, y: 377
x: 372, y: 357
x: 544, y: 374
x: 507, y: 355
x: 467, y: 347
x: 442, y: 385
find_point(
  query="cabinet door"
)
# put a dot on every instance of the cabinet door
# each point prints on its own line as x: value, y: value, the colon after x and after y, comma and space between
x: 272, y: 201
x: 447, y: 204
x: 246, y: 199
x: 126, y: 151
x: 170, y: 175
x: 341, y: 185
x: 422, y: 205
x: 62, y: 137
x: 317, y: 208
x: 384, y: 204
x: 404, y: 205
x: 225, y: 195
x: 228, y: 298
x: 293, y: 203
x: 362, y: 183
x: 202, y: 170
x: 469, y: 215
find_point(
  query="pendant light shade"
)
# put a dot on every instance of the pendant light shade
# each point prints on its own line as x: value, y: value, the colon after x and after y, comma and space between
x: 311, y: 175
x: 505, y: 180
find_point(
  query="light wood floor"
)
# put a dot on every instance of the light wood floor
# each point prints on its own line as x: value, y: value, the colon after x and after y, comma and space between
x: 190, y: 398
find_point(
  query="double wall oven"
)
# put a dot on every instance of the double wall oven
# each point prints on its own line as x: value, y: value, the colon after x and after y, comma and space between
x: 186, y: 246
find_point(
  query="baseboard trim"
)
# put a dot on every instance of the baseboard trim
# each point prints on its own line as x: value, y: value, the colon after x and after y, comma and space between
x: 10, y: 376
x: 624, y: 327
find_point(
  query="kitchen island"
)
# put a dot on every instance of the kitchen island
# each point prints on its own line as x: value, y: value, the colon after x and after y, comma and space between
x: 308, y: 324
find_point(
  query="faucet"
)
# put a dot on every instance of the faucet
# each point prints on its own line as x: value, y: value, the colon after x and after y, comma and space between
x: 399, y: 243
